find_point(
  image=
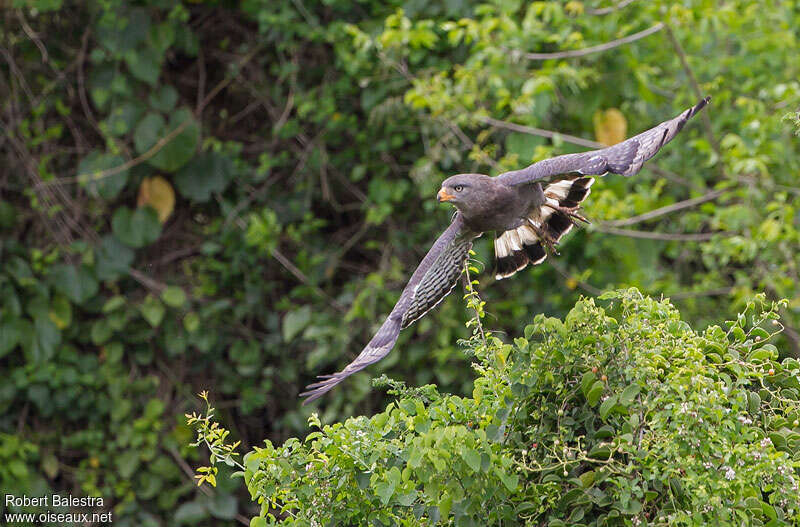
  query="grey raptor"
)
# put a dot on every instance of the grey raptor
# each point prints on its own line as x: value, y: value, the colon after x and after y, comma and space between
x: 530, y: 209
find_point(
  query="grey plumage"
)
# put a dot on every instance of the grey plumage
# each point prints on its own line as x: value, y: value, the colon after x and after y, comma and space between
x: 531, y: 208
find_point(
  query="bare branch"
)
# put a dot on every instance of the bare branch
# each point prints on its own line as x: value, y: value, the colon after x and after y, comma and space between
x: 685, y: 204
x: 161, y: 143
x: 665, y: 236
x: 594, y: 49
x: 695, y: 88
x: 609, y: 9
x: 541, y: 132
x: 289, y: 266
x: 589, y: 288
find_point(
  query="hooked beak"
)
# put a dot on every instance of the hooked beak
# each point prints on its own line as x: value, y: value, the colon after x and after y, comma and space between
x: 444, y: 196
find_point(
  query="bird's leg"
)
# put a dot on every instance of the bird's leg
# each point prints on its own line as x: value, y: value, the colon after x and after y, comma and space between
x: 571, y: 212
x: 544, y: 238
x: 550, y: 246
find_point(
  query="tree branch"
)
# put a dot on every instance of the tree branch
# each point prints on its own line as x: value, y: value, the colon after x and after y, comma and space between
x: 594, y: 49
x: 695, y: 88
x: 685, y: 204
x: 609, y: 9
x: 540, y: 132
x: 665, y: 236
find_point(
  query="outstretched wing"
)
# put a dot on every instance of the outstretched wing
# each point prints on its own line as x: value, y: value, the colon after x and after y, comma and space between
x: 625, y: 158
x: 433, y: 280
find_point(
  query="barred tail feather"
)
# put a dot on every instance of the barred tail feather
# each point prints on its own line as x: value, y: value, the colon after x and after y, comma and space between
x: 515, y: 249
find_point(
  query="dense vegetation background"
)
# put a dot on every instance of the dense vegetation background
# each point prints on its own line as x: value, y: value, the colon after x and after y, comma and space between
x: 230, y: 195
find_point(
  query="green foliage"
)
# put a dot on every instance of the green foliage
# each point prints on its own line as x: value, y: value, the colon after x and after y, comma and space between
x: 616, y: 415
x: 304, y: 143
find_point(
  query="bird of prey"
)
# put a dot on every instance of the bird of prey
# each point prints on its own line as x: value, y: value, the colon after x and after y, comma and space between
x: 529, y: 210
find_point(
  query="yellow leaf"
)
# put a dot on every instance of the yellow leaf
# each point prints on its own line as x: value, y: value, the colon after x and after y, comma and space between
x: 157, y: 192
x: 574, y: 8
x: 610, y: 126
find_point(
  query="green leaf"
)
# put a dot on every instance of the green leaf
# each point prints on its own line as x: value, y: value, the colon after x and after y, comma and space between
x: 122, y: 119
x: 223, y: 506
x: 162, y: 36
x: 295, y: 321
x: 587, y: 381
x: 124, y: 32
x: 101, y: 332
x: 76, y: 282
x: 179, y: 139
x: 600, y: 452
x: 60, y: 312
x: 144, y: 64
x: 112, y: 258
x: 91, y: 175
x: 173, y: 296
x: 258, y: 521
x: 191, y: 322
x: 127, y: 462
x: 50, y: 465
x: 594, y: 393
x: 629, y: 394
x: 384, y: 490
x: 405, y: 500
x: 113, y: 303
x: 152, y: 310
x: 472, y: 458
x: 164, y: 99
x: 149, y: 130
x: 510, y: 481
x: 11, y: 333
x: 587, y: 479
x: 138, y: 228
x: 607, y: 406
x: 190, y: 513
x: 753, y: 402
x: 205, y: 176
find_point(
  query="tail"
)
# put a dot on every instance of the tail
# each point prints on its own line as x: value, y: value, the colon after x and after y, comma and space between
x: 516, y: 248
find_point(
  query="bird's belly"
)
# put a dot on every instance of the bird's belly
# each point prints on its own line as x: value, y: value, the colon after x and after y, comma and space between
x: 500, y: 220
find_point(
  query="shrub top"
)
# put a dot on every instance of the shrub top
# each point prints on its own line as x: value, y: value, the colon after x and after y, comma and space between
x: 616, y: 415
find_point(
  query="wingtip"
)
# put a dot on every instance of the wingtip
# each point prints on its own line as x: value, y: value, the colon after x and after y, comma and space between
x: 315, y: 393
x: 316, y: 390
x: 700, y: 105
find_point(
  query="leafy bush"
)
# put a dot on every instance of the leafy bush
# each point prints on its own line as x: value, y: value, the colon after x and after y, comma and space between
x: 616, y: 415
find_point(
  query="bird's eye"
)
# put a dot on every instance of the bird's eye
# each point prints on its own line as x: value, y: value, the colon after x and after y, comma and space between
x: 458, y: 188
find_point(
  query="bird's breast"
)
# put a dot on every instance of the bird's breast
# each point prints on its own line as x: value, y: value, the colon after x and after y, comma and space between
x: 501, y: 209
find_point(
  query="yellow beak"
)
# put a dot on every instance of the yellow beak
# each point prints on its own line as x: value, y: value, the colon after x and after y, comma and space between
x: 444, y: 196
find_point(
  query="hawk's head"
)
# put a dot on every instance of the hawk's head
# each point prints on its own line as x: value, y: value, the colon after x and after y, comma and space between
x: 464, y: 190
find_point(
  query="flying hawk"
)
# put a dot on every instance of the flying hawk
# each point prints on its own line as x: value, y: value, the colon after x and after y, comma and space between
x: 530, y: 209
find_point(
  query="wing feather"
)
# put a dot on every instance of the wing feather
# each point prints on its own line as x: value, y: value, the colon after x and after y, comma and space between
x: 625, y: 158
x: 433, y: 280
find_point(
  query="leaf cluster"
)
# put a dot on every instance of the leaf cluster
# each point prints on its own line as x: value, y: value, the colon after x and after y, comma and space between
x: 615, y: 415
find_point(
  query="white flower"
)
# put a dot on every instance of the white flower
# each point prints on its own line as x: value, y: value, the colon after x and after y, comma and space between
x: 729, y: 473
x: 766, y: 442
x: 744, y: 420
